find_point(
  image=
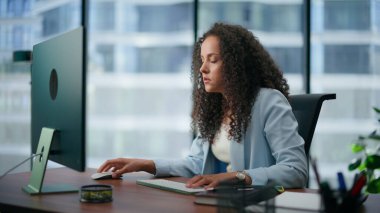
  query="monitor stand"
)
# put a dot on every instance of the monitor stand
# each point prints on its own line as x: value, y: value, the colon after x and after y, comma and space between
x: 39, y: 167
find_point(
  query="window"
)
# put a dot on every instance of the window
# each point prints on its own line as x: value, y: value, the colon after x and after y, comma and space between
x: 164, y: 59
x: 102, y: 15
x: 107, y: 56
x: 139, y: 89
x: 139, y: 85
x: 345, y: 59
x: 59, y: 19
x: 347, y: 15
x: 288, y: 59
x: 17, y: 8
x: 23, y: 24
x: 167, y: 18
x: 277, y: 24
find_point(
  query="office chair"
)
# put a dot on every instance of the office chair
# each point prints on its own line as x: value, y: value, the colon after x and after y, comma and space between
x: 306, y: 108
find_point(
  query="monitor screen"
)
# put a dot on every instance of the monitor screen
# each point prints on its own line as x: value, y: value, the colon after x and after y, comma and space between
x: 58, y: 96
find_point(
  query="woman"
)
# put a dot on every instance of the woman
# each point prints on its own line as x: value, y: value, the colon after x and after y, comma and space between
x: 242, y: 117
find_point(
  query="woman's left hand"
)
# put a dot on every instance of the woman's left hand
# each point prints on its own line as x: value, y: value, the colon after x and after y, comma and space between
x: 210, y: 181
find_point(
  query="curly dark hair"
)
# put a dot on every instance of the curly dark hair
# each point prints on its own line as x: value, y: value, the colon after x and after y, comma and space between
x: 246, y: 68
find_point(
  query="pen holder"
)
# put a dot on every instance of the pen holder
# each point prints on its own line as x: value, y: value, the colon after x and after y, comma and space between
x: 341, y: 201
x: 350, y: 203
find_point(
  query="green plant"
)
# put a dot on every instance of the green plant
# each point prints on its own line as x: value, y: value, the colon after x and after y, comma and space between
x: 369, y: 161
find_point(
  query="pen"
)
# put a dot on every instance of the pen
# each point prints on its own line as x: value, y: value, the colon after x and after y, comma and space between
x: 358, y: 185
x: 341, y: 182
x: 315, y: 169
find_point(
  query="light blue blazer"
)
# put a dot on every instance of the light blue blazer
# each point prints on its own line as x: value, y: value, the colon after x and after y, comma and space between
x: 271, y: 149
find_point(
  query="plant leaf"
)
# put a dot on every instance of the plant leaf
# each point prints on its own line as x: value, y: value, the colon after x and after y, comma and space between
x: 376, y: 109
x: 362, y: 167
x: 374, y: 137
x: 374, y: 186
x: 372, y: 162
x: 357, y: 147
x: 354, y: 164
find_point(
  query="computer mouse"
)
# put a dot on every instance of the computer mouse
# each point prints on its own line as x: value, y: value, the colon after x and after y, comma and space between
x: 101, y: 176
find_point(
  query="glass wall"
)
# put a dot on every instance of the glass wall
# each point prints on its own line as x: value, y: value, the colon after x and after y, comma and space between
x: 345, y: 53
x: 277, y: 24
x: 24, y: 23
x: 139, y: 89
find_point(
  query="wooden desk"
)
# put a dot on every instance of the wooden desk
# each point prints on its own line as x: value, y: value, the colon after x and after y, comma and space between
x: 127, y: 195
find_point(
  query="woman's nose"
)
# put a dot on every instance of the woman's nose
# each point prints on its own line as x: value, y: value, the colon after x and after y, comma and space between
x: 203, y: 68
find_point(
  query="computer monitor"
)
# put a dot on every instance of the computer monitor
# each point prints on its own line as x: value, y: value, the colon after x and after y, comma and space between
x: 58, y: 107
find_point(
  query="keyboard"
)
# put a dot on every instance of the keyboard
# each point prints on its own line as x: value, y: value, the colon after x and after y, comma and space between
x: 169, y: 185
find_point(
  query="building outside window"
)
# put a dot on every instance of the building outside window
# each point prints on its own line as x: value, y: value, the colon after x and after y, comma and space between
x: 24, y: 23
x: 139, y: 89
x: 344, y: 58
x: 277, y: 24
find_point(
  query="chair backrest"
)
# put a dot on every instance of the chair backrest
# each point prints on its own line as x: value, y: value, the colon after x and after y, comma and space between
x: 306, y: 108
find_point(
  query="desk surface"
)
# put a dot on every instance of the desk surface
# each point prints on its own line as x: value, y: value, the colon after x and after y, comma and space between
x: 127, y: 195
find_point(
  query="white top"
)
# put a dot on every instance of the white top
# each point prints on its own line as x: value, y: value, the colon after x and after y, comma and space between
x: 221, y: 146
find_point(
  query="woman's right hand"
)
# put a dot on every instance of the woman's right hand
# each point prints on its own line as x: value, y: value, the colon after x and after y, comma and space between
x: 119, y: 166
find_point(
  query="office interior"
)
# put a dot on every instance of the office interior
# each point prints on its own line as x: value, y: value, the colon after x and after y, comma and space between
x: 139, y: 64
